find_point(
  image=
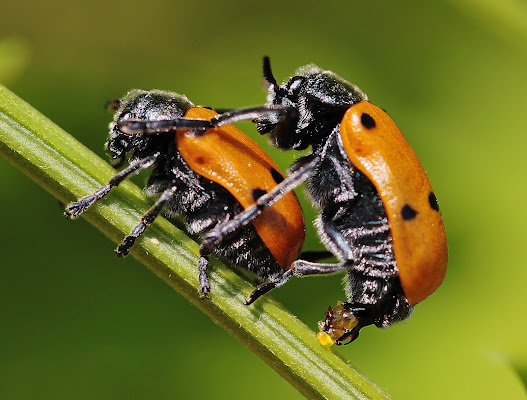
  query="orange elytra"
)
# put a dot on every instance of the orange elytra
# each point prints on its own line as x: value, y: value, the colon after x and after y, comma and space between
x: 380, y: 151
x: 227, y: 156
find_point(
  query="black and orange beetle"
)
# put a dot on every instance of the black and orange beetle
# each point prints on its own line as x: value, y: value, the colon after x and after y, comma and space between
x: 379, y: 215
x: 207, y: 171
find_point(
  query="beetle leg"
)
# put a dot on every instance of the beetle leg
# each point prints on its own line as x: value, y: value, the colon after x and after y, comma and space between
x: 73, y: 210
x: 213, y: 238
x: 124, y: 248
x: 303, y: 268
x: 267, y: 287
x: 333, y: 239
x: 252, y: 113
x: 204, y: 285
x: 200, y: 126
x: 163, y: 126
x: 339, y: 247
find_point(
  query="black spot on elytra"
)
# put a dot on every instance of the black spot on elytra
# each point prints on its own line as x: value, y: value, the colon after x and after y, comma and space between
x: 200, y: 160
x: 277, y: 176
x: 367, y: 121
x: 408, y: 212
x: 257, y: 193
x: 432, y: 199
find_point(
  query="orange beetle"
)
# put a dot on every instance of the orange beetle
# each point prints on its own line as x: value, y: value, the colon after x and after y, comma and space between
x: 378, y: 213
x: 378, y: 149
x: 207, y: 171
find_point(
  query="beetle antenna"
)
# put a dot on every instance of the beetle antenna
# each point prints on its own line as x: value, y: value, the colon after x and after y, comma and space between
x: 268, y: 73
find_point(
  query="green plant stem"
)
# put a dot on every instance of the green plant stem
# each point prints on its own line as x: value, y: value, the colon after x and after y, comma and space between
x: 68, y: 170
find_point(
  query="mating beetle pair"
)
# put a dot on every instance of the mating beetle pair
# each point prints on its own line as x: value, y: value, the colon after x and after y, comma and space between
x: 378, y: 213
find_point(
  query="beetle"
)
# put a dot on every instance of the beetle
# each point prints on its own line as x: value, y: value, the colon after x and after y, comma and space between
x: 378, y: 213
x: 207, y: 171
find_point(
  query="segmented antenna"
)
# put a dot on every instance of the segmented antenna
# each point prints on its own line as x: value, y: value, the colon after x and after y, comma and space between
x: 268, y: 73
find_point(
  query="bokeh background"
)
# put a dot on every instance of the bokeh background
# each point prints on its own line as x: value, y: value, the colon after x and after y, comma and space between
x: 76, y: 322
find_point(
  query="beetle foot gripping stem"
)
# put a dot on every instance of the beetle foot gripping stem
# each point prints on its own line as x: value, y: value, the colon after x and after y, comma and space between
x: 267, y: 287
x: 204, y: 285
x: 74, y: 210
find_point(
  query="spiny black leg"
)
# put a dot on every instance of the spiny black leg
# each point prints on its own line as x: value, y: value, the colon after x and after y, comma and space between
x: 303, y: 268
x: 213, y: 238
x: 203, y: 264
x: 73, y: 210
x: 204, y: 285
x: 251, y: 113
x: 163, y: 126
x: 335, y: 241
x: 199, y: 126
x: 267, y: 287
x: 124, y: 248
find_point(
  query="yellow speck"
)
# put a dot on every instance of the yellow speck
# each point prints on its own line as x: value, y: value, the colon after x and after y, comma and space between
x: 324, y: 339
x: 154, y: 241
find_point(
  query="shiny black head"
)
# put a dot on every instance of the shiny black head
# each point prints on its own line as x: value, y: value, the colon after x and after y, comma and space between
x: 318, y: 100
x: 141, y: 106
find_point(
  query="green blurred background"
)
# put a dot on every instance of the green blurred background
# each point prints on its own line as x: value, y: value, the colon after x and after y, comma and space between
x: 76, y: 322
